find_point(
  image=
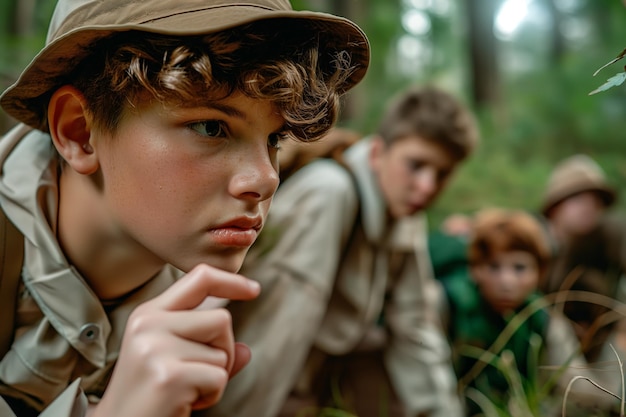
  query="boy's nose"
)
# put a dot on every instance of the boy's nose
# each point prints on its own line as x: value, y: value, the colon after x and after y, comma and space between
x: 258, y: 179
x: 426, y: 182
x: 507, y: 278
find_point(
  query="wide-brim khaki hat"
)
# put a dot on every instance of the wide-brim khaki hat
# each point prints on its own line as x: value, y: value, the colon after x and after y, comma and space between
x: 76, y: 24
x: 574, y: 175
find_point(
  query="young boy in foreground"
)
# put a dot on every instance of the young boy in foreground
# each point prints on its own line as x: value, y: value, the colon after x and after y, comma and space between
x: 147, y: 150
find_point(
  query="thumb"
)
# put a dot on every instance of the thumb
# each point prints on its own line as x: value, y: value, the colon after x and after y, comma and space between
x: 242, y: 357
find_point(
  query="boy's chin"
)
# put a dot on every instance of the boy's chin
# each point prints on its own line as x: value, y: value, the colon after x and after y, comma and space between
x: 229, y: 263
x: 506, y: 308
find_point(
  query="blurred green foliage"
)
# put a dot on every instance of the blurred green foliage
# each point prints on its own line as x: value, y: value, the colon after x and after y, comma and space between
x: 544, y: 112
x: 23, y: 28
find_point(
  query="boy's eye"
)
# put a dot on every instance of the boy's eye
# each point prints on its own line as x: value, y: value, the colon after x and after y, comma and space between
x: 519, y: 268
x: 210, y: 128
x: 415, y: 165
x: 275, y: 139
x: 442, y: 175
x: 493, y: 266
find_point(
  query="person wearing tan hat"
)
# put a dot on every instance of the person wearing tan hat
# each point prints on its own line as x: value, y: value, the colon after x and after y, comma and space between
x: 589, y: 249
x: 578, y: 181
x: 141, y: 173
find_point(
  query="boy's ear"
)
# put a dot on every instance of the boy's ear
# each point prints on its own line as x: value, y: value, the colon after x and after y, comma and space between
x: 376, y: 152
x: 70, y: 128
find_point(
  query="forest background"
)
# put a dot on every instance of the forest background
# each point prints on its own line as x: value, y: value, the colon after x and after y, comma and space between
x: 525, y: 67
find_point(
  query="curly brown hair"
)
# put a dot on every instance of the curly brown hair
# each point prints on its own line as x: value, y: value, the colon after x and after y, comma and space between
x: 290, y: 71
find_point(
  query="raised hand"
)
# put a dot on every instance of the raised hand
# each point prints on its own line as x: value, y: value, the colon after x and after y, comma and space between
x: 175, y: 358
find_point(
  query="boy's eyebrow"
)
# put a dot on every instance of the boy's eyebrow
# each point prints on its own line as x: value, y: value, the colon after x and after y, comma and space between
x: 225, y: 108
x: 233, y: 112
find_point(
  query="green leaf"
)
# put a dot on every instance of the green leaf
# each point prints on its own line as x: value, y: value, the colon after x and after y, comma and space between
x: 614, y: 81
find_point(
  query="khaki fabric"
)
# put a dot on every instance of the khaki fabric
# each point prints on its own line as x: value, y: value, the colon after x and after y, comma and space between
x: 63, y: 332
x: 314, y: 296
x: 70, y: 403
x: 561, y: 344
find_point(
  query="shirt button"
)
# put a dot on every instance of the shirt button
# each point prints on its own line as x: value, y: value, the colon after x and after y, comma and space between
x: 89, y: 333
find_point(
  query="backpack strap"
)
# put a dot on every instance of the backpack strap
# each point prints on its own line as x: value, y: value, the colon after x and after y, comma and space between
x: 11, y: 260
x: 338, y: 157
x: 294, y: 154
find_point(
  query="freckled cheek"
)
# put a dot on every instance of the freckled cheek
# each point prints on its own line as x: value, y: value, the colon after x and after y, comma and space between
x: 151, y: 189
x: 142, y: 199
x: 396, y: 178
x: 184, y: 185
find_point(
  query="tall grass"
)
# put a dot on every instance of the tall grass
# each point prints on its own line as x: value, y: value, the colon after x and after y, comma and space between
x: 533, y: 396
x: 530, y: 396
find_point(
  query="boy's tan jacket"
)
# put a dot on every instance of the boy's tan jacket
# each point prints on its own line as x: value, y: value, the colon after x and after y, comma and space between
x: 300, y: 262
x: 65, y: 342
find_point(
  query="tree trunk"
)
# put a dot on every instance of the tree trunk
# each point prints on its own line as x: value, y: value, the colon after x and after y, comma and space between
x: 355, y: 10
x: 558, y: 46
x: 24, y: 17
x: 485, y: 74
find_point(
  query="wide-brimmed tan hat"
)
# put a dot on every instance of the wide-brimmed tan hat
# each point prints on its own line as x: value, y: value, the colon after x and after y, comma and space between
x: 76, y: 24
x: 575, y: 175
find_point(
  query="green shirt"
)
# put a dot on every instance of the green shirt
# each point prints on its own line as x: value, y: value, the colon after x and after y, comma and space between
x: 472, y: 322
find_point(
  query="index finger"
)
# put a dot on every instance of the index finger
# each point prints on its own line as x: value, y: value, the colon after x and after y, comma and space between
x: 203, y: 281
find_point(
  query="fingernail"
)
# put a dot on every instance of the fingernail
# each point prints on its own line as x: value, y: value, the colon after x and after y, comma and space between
x: 254, y: 285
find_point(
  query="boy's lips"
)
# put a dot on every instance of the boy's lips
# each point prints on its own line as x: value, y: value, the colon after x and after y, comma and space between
x: 508, y: 303
x: 415, y: 206
x: 240, y: 232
